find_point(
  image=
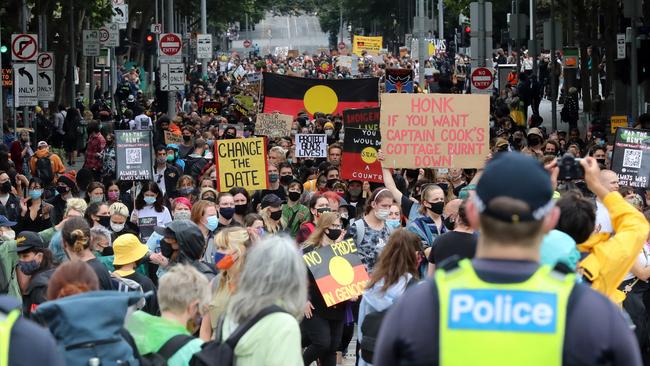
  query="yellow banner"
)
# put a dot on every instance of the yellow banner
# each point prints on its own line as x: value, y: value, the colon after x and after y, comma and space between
x: 372, y: 45
x: 241, y: 163
x: 616, y: 122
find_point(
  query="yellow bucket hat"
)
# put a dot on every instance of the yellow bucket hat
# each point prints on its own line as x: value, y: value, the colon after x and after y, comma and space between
x: 128, y: 249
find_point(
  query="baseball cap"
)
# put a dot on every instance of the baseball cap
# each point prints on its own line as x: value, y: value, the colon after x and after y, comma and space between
x: 28, y: 240
x: 42, y: 144
x: 4, y: 221
x: 517, y: 176
x: 535, y: 131
x: 271, y: 200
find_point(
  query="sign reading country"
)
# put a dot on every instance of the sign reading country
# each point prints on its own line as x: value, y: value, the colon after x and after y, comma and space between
x: 434, y: 130
x: 360, y: 156
x: 338, y: 271
x: 631, y: 157
x: 371, y: 45
x: 241, y: 163
x: 364, y: 118
x: 292, y: 95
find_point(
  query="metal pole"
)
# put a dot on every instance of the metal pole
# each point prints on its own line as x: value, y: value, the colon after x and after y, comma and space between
x: 553, y: 70
x: 441, y: 21
x: 340, y: 21
x: 533, y: 46
x: 23, y: 25
x: 423, y: 50
x: 2, y: 100
x: 634, y: 71
x: 204, y: 30
x: 171, y: 96
x: 73, y: 60
x: 113, y: 80
x: 481, y: 34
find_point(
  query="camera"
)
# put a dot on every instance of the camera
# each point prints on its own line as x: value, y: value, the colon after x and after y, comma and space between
x: 570, y: 168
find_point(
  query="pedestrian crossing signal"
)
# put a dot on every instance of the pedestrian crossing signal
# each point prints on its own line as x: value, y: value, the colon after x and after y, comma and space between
x: 3, y: 49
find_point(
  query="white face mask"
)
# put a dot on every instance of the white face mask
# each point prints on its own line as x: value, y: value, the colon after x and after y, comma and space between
x: 182, y: 215
x: 117, y: 227
x: 382, y: 215
x: 329, y: 132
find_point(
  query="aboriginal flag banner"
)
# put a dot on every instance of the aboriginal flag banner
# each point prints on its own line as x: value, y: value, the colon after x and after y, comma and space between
x: 291, y: 95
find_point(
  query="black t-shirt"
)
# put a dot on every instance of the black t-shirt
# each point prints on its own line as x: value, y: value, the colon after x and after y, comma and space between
x: 452, y: 243
x: 595, y: 334
x: 104, y: 277
x: 151, y: 306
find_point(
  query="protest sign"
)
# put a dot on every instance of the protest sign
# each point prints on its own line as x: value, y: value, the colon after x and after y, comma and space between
x: 212, y: 106
x: 399, y: 81
x: 246, y: 101
x: 146, y: 226
x: 434, y: 130
x: 171, y: 138
x: 241, y: 163
x: 631, y: 157
x: 311, y: 146
x: 364, y: 118
x: 344, y: 61
x: 338, y: 271
x: 133, y: 150
x: 273, y: 125
x: 371, y: 45
x: 616, y: 122
x: 360, y: 155
x: 293, y: 53
x: 239, y: 128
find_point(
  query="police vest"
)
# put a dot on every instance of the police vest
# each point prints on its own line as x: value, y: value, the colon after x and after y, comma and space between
x: 485, y: 323
x: 5, y: 334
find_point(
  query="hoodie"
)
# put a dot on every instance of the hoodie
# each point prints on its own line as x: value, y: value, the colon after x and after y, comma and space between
x: 191, y: 245
x: 57, y: 164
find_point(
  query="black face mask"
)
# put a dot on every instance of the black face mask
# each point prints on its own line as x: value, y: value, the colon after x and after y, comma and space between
x: 534, y: 141
x: 331, y: 182
x: 323, y: 210
x: 294, y: 196
x: 286, y: 179
x: 333, y: 234
x: 107, y: 251
x: 277, y: 215
x: 228, y: 136
x: 187, y: 138
x: 601, y: 161
x: 166, y: 249
x: 450, y: 225
x: 6, y: 187
x: 105, y: 221
x: 444, y: 187
x: 62, y: 189
x: 308, y: 163
x: 241, y: 209
x: 412, y: 174
x: 436, y: 207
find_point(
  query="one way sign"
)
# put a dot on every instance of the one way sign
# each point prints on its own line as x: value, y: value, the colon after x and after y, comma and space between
x: 25, y: 85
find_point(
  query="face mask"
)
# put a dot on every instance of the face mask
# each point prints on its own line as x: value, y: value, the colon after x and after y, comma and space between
x: 308, y: 163
x: 150, y: 200
x: 436, y: 207
x: 29, y: 267
x: 228, y: 136
x: 294, y: 132
x: 449, y: 224
x: 182, y: 215
x: 356, y: 192
x: 161, y: 160
x: 444, y: 186
x: 286, y: 179
x: 277, y: 215
x: 393, y: 224
x: 261, y: 232
x: 8, y: 235
x: 186, y: 191
x: 330, y: 182
x: 35, y: 193
x: 105, y: 221
x: 5, y: 187
x: 225, y: 262
x: 329, y: 133
x: 382, y: 215
x: 333, y: 234
x: 273, y: 177
x: 227, y: 212
x: 166, y: 248
x: 341, y: 136
x: 187, y: 138
x: 107, y: 252
x: 601, y: 161
x: 117, y: 227
x: 113, y: 196
x: 212, y: 222
x: 294, y: 196
x: 241, y: 209
x: 96, y: 199
x: 170, y: 158
x: 322, y: 210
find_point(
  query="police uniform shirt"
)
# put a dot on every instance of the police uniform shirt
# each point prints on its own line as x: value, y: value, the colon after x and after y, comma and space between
x: 595, y: 334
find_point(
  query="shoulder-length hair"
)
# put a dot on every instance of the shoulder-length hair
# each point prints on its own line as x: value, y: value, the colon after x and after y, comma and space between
x: 324, y: 222
x: 153, y: 187
x: 261, y: 283
x: 397, y: 259
x: 236, y: 240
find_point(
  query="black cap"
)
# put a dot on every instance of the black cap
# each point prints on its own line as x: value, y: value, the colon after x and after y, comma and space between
x: 28, y: 240
x: 271, y: 200
x: 518, y: 176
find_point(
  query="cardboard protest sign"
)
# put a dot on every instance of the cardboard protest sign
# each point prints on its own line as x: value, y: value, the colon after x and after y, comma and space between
x: 246, y: 101
x: 399, y: 81
x: 171, y: 138
x: 434, y: 130
x: 273, y: 125
x: 631, y: 157
x: 371, y: 45
x: 239, y: 128
x: 146, y: 226
x: 338, y: 271
x: 360, y: 156
x: 364, y: 118
x: 212, y: 106
x: 311, y: 146
x: 344, y: 61
x: 133, y: 150
x: 241, y: 163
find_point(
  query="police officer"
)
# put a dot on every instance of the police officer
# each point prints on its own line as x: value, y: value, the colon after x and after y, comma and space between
x: 503, y: 308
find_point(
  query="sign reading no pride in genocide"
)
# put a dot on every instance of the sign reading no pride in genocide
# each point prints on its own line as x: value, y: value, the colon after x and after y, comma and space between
x: 241, y: 163
x: 133, y: 149
x: 435, y: 130
x: 338, y: 271
x: 273, y: 125
x: 631, y: 157
x: 311, y: 146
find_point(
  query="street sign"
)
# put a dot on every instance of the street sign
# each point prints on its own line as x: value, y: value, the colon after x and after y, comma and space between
x: 204, y: 46
x: 24, y: 47
x: 482, y: 80
x: 46, y: 85
x: 172, y: 76
x: 45, y: 61
x: 104, y: 58
x: 120, y: 15
x: 156, y: 28
x: 91, y: 42
x: 170, y: 46
x: 109, y: 35
x: 247, y: 43
x: 25, y: 90
x: 620, y: 46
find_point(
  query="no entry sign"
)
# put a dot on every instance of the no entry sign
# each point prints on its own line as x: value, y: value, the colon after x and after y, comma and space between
x: 24, y: 47
x: 170, y: 44
x: 482, y: 80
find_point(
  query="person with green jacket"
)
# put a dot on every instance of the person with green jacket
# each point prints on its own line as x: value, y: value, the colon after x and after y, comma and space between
x: 183, y: 295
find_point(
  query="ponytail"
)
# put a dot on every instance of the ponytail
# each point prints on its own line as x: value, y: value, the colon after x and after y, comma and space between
x: 76, y: 234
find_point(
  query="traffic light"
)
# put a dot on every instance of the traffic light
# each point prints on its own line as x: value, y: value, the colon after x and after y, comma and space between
x: 3, y: 49
x: 466, y: 36
x: 150, y: 43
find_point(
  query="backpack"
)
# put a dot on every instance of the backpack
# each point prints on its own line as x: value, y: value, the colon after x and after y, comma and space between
x: 126, y: 285
x: 44, y: 169
x: 221, y: 353
x: 361, y: 230
x: 169, y: 349
x: 370, y: 329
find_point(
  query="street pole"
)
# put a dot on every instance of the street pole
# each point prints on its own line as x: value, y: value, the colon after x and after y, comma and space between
x: 2, y: 100
x: 73, y: 61
x: 441, y: 21
x: 204, y: 30
x: 23, y: 25
x: 422, y: 46
x: 533, y: 44
x: 340, y: 21
x: 171, y: 95
x: 553, y: 68
x: 634, y: 70
x: 481, y: 34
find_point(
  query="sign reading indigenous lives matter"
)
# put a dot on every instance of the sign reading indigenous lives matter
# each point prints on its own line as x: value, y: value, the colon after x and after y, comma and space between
x: 338, y: 271
x: 434, y: 130
x: 311, y: 146
x: 241, y: 163
x: 631, y: 157
x: 364, y: 118
x: 133, y: 150
x: 360, y: 156
x: 273, y: 125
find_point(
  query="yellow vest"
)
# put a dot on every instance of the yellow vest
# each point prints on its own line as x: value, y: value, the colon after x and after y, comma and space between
x: 5, y: 335
x: 485, y: 323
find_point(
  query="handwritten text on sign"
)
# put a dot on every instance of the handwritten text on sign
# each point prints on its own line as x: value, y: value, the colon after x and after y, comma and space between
x: 311, y: 146
x: 241, y: 163
x: 273, y: 125
x: 434, y: 130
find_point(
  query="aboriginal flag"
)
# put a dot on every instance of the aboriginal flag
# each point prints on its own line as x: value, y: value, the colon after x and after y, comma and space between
x: 291, y: 95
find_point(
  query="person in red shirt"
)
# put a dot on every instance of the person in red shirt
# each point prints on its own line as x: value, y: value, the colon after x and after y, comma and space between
x: 94, y: 149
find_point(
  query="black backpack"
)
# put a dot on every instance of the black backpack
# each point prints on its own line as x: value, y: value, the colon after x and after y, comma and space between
x: 166, y: 352
x: 221, y: 353
x: 44, y: 170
